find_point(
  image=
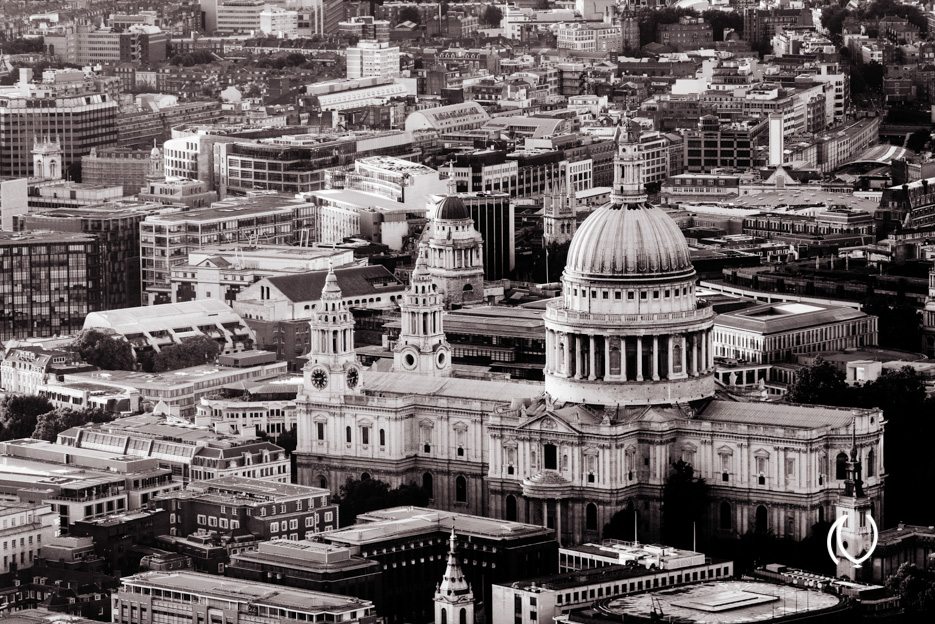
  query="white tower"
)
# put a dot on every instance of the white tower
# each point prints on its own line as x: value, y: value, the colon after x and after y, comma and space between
x: 422, y: 347
x: 856, y: 534
x: 558, y: 215
x: 454, y: 600
x: 156, y: 163
x: 47, y: 158
x: 331, y: 371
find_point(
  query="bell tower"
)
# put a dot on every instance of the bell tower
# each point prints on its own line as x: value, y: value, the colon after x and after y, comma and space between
x: 47, y: 158
x: 558, y: 215
x: 856, y: 534
x: 331, y: 371
x: 454, y: 600
x: 422, y: 347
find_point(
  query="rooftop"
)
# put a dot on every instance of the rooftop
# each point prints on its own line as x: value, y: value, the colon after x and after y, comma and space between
x: 405, y: 384
x: 247, y: 591
x: 41, y: 237
x: 353, y: 281
x: 722, y: 602
x: 398, y: 522
x: 778, y: 414
x: 774, y: 318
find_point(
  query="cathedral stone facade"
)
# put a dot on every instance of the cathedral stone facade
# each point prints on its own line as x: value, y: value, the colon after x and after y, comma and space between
x: 629, y: 391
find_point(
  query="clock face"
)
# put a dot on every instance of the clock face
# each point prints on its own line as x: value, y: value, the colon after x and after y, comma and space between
x: 352, y: 378
x: 319, y: 378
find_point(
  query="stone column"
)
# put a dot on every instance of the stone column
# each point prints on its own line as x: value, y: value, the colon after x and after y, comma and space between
x: 549, y: 355
x: 607, y: 346
x: 695, y: 337
x: 558, y: 520
x: 705, y: 367
x: 545, y: 513
x: 639, y: 358
x: 592, y: 359
x: 669, y: 363
x: 579, y: 356
x: 567, y: 354
x: 623, y: 358
x: 684, y: 354
x: 655, y: 358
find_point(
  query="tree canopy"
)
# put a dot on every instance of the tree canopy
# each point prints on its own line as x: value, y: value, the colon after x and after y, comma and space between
x: 684, y: 502
x: 492, y: 16
x: 53, y: 422
x: 191, y: 351
x: 104, y: 350
x: 19, y: 415
x: 820, y: 384
x: 410, y: 14
x: 917, y: 589
x: 359, y: 496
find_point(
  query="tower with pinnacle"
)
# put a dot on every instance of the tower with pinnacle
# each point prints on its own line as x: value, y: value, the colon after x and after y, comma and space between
x: 332, y: 370
x: 856, y: 534
x: 558, y: 215
x: 454, y: 600
x: 47, y: 158
x: 422, y: 347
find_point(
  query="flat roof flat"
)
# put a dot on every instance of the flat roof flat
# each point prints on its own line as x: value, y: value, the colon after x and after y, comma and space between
x: 772, y: 318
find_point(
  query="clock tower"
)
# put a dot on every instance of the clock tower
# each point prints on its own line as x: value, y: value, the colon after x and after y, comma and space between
x: 332, y: 370
x: 422, y: 347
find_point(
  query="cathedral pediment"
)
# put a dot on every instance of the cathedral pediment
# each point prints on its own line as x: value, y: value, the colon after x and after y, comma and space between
x: 550, y: 421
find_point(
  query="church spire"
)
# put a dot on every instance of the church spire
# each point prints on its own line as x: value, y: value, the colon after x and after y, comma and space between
x: 454, y: 600
x: 422, y: 347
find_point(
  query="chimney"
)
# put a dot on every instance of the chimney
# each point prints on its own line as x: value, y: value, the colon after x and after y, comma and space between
x: 776, y: 141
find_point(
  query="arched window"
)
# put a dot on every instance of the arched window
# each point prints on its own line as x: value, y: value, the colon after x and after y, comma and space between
x: 511, y: 507
x: 322, y: 482
x: 365, y: 476
x: 761, y: 523
x: 725, y: 521
x: 382, y: 437
x: 462, y: 616
x: 549, y: 457
x: 590, y: 517
x: 840, y: 466
x: 871, y: 463
x: 460, y: 490
x: 347, y: 434
x: 444, y: 616
x: 428, y: 485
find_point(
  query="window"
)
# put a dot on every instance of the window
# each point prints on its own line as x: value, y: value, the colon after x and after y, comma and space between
x: 347, y: 434
x: 382, y: 437
x: 511, y: 508
x: 761, y: 522
x: 365, y: 435
x: 202, y: 519
x: 320, y: 427
x: 274, y: 527
x: 460, y: 489
x: 428, y: 485
x: 590, y: 517
x: 840, y: 466
x: 549, y: 457
x: 871, y: 463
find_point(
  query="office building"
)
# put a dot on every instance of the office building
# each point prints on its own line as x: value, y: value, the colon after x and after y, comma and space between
x: 80, y: 111
x: 687, y: 34
x: 777, y: 332
x: 366, y: 27
x: 184, y: 194
x: 261, y: 507
x: 640, y: 568
x: 192, y: 453
x: 279, y: 22
x: 166, y: 239
x: 23, y: 370
x: 239, y: 16
x: 223, y: 271
x: 493, y: 218
x: 155, y: 119
x: 13, y: 201
x: 589, y: 37
x: 451, y: 118
x: 122, y: 166
x: 372, y: 58
x: 116, y: 227
x: 716, y: 144
x: 26, y: 527
x: 50, y: 283
x: 185, y: 597
x: 139, y: 44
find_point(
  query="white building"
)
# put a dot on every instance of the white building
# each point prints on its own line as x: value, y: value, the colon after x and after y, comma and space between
x: 24, y: 528
x: 239, y: 16
x: 589, y: 37
x: 279, y: 22
x: 372, y: 58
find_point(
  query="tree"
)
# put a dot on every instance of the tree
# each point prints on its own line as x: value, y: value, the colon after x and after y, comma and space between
x: 191, y: 351
x: 543, y: 5
x: 684, y: 501
x: 19, y: 414
x: 721, y: 20
x: 492, y: 16
x: 916, y: 587
x: 899, y: 321
x: 621, y: 525
x: 105, y: 351
x: 359, y: 496
x: 832, y: 19
x: 52, y: 423
x: 822, y: 383
x: 410, y: 14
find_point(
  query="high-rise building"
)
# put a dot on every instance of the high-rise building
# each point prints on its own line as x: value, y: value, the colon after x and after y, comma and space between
x: 80, y: 111
x: 50, y: 281
x: 493, y: 217
x: 372, y: 58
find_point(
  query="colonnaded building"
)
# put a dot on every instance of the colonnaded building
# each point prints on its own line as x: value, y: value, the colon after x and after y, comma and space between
x: 629, y: 390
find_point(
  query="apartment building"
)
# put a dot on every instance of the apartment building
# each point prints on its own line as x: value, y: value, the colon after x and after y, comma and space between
x: 24, y: 527
x: 372, y: 58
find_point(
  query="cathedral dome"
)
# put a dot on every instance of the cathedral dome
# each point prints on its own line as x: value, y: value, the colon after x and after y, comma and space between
x: 451, y: 208
x: 622, y: 239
